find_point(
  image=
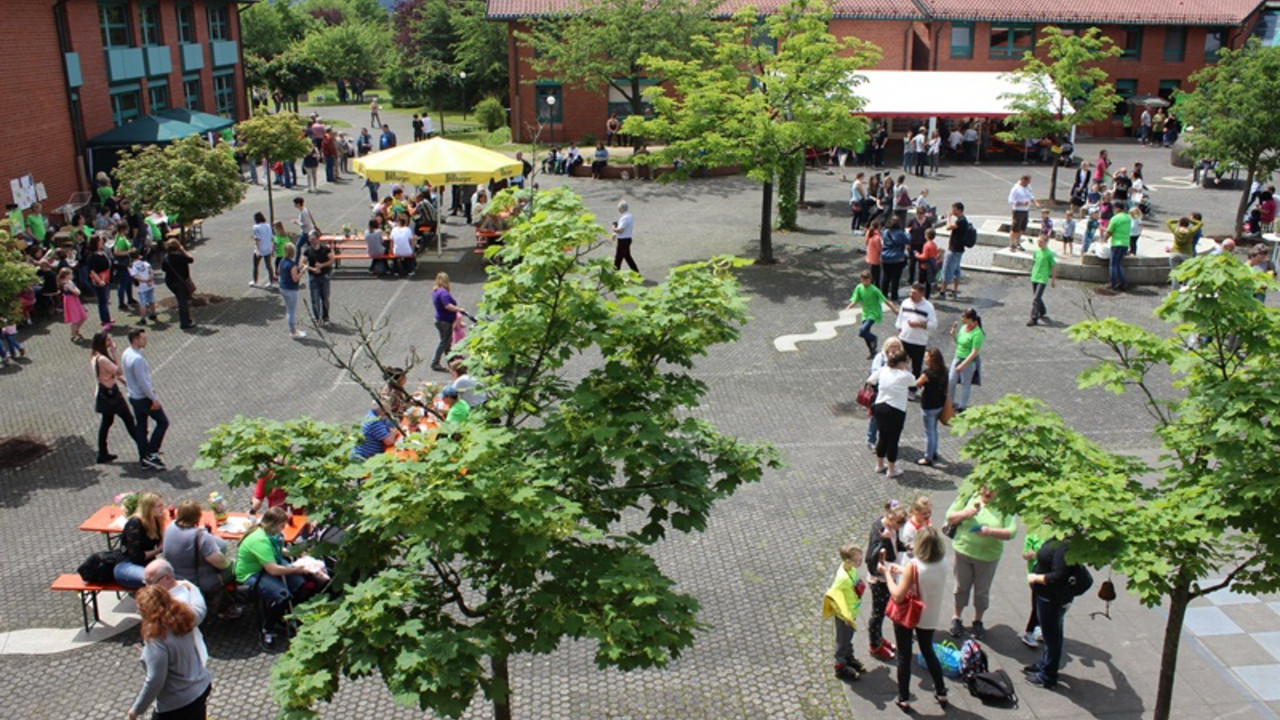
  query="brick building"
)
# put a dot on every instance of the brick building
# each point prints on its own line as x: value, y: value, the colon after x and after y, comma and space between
x: 75, y: 68
x: 1164, y: 43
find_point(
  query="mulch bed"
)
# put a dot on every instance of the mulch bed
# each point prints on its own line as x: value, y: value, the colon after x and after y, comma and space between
x: 19, y: 451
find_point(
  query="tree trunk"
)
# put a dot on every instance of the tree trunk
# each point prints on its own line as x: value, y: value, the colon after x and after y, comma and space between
x: 1178, y: 601
x: 502, y: 687
x: 1238, y: 232
x: 1053, y: 180
x: 766, y: 226
x: 271, y: 205
x: 789, y: 177
x: 804, y: 173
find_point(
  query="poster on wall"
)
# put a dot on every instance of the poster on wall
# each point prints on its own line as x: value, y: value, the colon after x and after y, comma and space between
x: 24, y: 192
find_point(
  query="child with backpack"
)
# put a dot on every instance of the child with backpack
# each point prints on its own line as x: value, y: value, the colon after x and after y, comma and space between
x: 882, y: 551
x: 842, y: 602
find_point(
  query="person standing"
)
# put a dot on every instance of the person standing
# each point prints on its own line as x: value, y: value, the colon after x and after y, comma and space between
x: 933, y: 382
x: 264, y: 249
x: 843, y: 601
x: 144, y: 400
x: 623, y: 229
x: 364, y: 143
x: 1118, y: 230
x: 447, y: 310
x: 916, y: 319
x: 920, y: 145
x: 142, y: 275
x: 375, y: 119
x: 893, y: 381
x: 305, y: 221
x: 980, y: 534
x: 917, y: 226
x: 109, y: 402
x: 927, y: 575
x: 387, y: 139
x: 961, y: 231
x: 1044, y: 271
x: 1020, y: 201
x: 291, y: 274
x: 177, y: 680
x: 611, y: 128
x: 329, y: 150
x: 893, y: 257
x: 417, y: 128
x: 177, y: 277
x: 319, y: 266
x: 1051, y: 588
x: 99, y: 267
x: 969, y: 337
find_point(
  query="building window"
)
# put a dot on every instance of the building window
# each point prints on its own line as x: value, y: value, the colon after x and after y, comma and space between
x: 224, y: 94
x: 549, y: 112
x: 1268, y: 28
x: 157, y: 95
x: 219, y: 23
x: 186, y: 24
x: 962, y: 40
x: 114, y: 17
x: 1175, y: 44
x: 149, y: 24
x: 1168, y: 88
x: 1125, y: 89
x: 1214, y: 40
x: 126, y: 103
x: 1011, y: 41
x: 1132, y: 44
x: 191, y: 89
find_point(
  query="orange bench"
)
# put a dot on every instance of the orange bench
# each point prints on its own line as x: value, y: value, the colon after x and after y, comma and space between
x: 72, y: 582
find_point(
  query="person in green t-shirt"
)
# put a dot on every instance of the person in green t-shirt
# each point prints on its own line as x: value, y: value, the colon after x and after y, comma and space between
x: 1118, y: 230
x: 969, y: 337
x: 1030, y: 545
x: 978, y: 543
x: 872, y: 302
x: 1044, y: 271
x: 261, y: 564
x: 459, y: 409
x: 35, y: 224
x: 280, y: 238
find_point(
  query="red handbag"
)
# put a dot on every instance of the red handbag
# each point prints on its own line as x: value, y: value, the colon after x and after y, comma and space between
x: 867, y: 396
x: 907, y: 613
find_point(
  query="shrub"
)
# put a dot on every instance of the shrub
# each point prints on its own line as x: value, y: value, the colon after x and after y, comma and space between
x: 588, y: 140
x: 491, y: 113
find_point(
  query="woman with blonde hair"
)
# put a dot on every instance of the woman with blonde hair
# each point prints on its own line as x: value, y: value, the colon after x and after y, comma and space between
x: 140, y: 540
x: 447, y: 310
x: 177, y: 680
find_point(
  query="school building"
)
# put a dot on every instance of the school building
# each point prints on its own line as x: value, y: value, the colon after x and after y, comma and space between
x: 73, y: 69
x: 1163, y: 42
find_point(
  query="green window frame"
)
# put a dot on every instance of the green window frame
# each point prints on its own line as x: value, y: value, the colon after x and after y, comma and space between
x: 157, y: 96
x: 186, y: 23
x: 219, y: 23
x: 224, y: 94
x: 149, y: 24
x: 1132, y: 44
x: 1125, y: 89
x: 1214, y: 40
x: 549, y: 113
x: 1175, y: 44
x: 962, y: 41
x: 1168, y: 87
x: 113, y: 16
x: 1009, y: 41
x: 191, y: 92
x: 126, y: 103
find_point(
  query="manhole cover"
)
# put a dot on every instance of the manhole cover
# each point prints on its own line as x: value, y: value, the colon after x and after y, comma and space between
x: 20, y: 451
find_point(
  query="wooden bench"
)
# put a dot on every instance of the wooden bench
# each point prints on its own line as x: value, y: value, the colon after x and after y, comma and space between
x: 72, y: 582
x: 485, y: 237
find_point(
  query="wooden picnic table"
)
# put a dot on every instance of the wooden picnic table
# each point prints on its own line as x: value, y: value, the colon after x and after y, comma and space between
x: 110, y: 519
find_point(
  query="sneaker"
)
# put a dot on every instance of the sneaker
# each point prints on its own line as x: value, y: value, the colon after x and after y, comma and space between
x: 1039, y: 680
x: 856, y: 664
x: 978, y: 630
x: 1031, y: 669
x: 1039, y: 635
x: 882, y: 651
x: 1029, y: 639
x: 153, y: 317
x: 104, y: 458
x: 871, y: 446
x: 269, y: 642
x: 142, y: 322
x: 153, y: 462
x: 895, y: 473
x: 846, y: 672
x: 253, y: 283
x: 297, y: 335
x: 957, y: 628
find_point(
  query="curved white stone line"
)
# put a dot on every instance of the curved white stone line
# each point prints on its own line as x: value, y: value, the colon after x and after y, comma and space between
x: 823, y: 330
x: 47, y: 641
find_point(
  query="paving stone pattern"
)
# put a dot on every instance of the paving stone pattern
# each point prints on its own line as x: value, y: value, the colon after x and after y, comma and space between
x: 763, y: 563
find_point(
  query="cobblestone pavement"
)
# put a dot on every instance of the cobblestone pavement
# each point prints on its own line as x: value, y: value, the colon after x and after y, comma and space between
x: 759, y: 569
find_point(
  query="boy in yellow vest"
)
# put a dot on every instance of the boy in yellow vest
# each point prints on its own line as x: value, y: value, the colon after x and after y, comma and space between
x: 843, y: 601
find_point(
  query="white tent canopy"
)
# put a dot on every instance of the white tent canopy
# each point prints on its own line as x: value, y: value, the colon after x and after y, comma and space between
x: 924, y: 93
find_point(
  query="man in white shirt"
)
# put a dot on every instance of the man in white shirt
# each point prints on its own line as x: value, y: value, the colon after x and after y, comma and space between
x: 1020, y: 201
x: 622, y: 233
x: 143, y: 400
x: 402, y: 247
x: 160, y: 573
x: 916, y: 318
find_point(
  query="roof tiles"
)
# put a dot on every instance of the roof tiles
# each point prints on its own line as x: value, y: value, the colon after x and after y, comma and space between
x: 867, y: 9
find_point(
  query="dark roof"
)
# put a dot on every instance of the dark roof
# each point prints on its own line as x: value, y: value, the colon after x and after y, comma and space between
x: 1100, y: 12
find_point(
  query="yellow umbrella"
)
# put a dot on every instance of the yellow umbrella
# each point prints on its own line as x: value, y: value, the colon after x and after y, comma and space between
x: 439, y: 162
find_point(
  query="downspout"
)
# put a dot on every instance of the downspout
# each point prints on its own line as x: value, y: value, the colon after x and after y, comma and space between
x: 77, y: 116
x: 244, y: 82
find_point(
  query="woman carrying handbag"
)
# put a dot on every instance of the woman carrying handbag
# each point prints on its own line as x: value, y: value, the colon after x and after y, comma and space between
x: 109, y: 402
x: 916, y: 592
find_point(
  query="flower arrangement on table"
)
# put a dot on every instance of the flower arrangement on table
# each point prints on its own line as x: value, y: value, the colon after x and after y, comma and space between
x: 128, y: 501
x: 347, y: 231
x: 218, y: 506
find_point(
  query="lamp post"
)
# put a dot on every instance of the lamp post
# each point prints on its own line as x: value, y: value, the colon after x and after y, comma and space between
x: 551, y: 116
x: 463, y: 76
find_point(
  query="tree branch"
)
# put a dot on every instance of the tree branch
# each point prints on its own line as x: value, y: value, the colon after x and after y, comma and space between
x: 1200, y: 591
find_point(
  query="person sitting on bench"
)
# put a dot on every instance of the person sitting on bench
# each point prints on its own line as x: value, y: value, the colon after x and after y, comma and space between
x: 262, y: 567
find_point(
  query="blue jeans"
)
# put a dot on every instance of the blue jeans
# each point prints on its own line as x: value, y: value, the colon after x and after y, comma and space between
x: 142, y: 412
x: 1052, y: 615
x: 1085, y: 243
x: 328, y: 167
x: 275, y: 593
x: 865, y: 333
x: 320, y: 296
x: 930, y: 418
x: 103, y: 295
x: 951, y: 267
x: 290, y: 174
x: 129, y: 574
x: 873, y: 430
x: 1117, y: 266
x: 124, y: 284
x: 962, y: 378
x: 290, y: 307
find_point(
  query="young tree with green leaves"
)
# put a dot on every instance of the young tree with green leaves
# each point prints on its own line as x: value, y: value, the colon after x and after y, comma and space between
x: 741, y: 102
x: 16, y: 275
x: 187, y: 179
x: 611, y: 40
x: 532, y: 522
x: 271, y: 138
x: 293, y: 74
x: 1228, y: 116
x: 267, y: 29
x: 1211, y: 518
x: 353, y: 51
x: 1065, y: 89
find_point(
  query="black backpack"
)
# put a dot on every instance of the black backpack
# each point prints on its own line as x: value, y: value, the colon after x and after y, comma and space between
x: 971, y: 237
x: 993, y: 688
x: 1079, y: 580
x: 99, y: 568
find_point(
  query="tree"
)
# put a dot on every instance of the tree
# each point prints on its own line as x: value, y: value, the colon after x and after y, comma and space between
x: 352, y: 51
x: 1222, y: 115
x: 1066, y: 89
x: 267, y: 29
x: 480, y: 49
x: 748, y: 104
x: 187, y: 179
x: 292, y: 74
x: 272, y: 138
x: 16, y: 275
x: 1213, y: 511
x: 531, y: 523
x: 611, y: 40
x: 435, y: 41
